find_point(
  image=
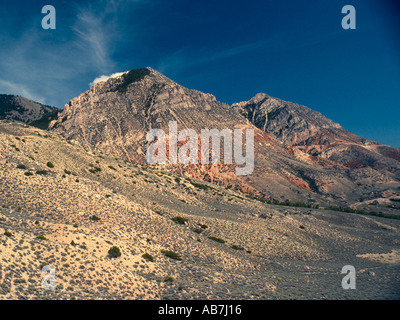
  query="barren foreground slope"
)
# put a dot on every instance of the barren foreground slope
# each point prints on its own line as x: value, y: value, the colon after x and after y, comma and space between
x: 65, y: 207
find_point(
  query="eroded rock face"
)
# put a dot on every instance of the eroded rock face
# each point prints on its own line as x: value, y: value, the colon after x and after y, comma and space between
x: 314, y: 138
x: 299, y: 154
x: 289, y: 122
x: 115, y: 121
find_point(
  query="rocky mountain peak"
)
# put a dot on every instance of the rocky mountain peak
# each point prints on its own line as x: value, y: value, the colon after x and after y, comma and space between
x: 120, y: 111
x: 299, y: 153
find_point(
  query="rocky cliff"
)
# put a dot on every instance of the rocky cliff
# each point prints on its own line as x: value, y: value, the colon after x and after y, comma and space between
x: 299, y: 154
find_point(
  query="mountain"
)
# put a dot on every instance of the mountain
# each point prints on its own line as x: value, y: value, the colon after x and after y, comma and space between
x: 180, y: 238
x: 313, y: 137
x: 22, y: 109
x: 81, y: 198
x: 300, y: 155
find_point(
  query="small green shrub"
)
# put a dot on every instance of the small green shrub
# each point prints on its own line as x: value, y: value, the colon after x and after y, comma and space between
x: 21, y: 166
x: 94, y: 218
x: 95, y: 170
x: 148, y: 257
x: 204, y: 226
x: 179, y: 220
x: 67, y: 171
x: 8, y: 234
x: 168, y: 279
x: 114, y: 252
x: 171, y: 254
x: 217, y: 239
x: 234, y: 246
x: 201, y: 186
x: 50, y: 164
x: 198, y: 230
x: 43, y: 172
x: 28, y: 173
x: 41, y: 237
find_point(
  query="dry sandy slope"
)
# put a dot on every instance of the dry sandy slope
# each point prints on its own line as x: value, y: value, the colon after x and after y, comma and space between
x: 287, y: 252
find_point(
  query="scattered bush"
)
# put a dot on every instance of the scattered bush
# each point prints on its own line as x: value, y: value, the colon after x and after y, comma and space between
x: 43, y: 172
x: 217, y: 239
x: 94, y: 218
x: 41, y: 237
x: 67, y: 171
x: 198, y: 230
x: 234, y: 246
x: 179, y: 220
x: 114, y: 252
x: 95, y: 170
x: 169, y: 279
x: 370, y: 213
x: 8, y: 233
x: 148, y: 257
x: 171, y: 254
x: 301, y: 226
x: 112, y: 168
x: 50, y: 164
x: 21, y: 166
x: 284, y: 203
x: 201, y: 186
x: 203, y: 226
x: 28, y: 173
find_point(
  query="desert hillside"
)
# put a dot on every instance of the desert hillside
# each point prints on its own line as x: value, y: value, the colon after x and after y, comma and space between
x: 179, y: 237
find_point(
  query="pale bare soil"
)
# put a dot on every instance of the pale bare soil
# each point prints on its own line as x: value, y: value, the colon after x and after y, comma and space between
x: 278, y: 252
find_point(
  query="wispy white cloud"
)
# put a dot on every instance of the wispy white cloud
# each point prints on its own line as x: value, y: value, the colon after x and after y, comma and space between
x: 51, y: 66
x: 105, y: 78
x: 94, y: 37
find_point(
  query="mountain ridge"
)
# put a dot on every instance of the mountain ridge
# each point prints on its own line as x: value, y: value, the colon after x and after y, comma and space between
x: 18, y: 108
x: 300, y: 154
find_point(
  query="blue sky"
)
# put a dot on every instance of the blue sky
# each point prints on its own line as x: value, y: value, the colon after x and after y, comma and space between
x: 294, y: 50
